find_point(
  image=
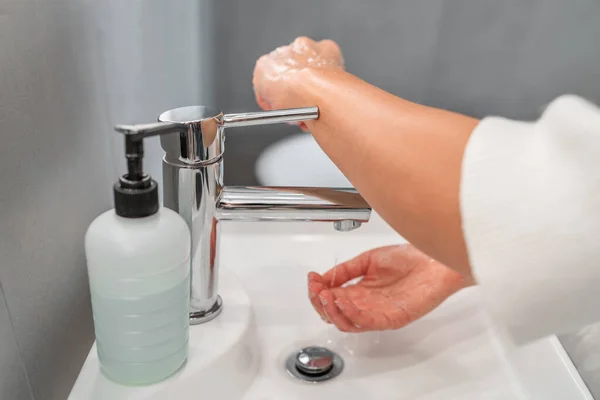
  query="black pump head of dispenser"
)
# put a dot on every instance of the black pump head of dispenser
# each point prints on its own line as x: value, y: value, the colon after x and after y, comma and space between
x: 135, y: 193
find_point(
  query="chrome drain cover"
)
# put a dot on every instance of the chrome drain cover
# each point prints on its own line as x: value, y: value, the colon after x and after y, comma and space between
x: 314, y: 364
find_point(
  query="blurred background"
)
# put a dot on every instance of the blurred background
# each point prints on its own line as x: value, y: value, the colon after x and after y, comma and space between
x: 70, y: 69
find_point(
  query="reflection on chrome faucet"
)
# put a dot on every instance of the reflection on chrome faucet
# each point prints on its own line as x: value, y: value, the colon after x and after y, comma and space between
x: 291, y: 204
x: 193, y: 186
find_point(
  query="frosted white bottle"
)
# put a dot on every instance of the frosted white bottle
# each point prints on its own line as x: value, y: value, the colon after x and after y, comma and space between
x: 138, y: 259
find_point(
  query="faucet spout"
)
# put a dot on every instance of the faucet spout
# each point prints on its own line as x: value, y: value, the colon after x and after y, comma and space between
x: 293, y: 204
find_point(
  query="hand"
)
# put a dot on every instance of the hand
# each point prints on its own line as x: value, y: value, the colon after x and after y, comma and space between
x: 274, y: 72
x: 398, y: 285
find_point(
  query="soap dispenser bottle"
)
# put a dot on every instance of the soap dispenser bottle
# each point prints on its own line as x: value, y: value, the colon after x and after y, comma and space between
x: 138, y: 260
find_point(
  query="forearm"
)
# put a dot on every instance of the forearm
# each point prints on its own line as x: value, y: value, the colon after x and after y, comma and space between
x: 404, y: 158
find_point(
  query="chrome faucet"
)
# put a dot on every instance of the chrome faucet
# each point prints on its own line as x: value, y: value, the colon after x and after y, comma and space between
x: 193, y: 186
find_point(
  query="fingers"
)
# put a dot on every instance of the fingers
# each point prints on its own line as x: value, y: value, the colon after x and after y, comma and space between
x: 262, y: 103
x: 315, y: 287
x: 349, y: 310
x: 257, y: 83
x: 358, y: 318
x: 370, y: 320
x: 331, y: 51
x: 324, y: 52
x: 348, y: 270
x: 303, y: 43
x: 334, y: 314
x: 330, y: 46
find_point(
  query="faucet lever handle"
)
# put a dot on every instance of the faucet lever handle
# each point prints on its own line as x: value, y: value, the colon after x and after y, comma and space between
x: 270, y: 117
x: 140, y: 131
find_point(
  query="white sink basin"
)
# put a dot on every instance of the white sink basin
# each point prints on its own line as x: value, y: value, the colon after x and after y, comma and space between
x: 452, y: 353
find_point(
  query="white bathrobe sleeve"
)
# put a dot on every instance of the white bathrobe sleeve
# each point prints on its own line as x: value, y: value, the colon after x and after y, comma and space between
x: 530, y: 204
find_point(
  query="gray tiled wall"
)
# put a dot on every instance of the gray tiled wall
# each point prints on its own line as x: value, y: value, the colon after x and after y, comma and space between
x: 14, y: 384
x: 54, y: 180
x: 69, y: 70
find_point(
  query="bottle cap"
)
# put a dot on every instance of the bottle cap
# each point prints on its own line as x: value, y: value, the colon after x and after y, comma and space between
x: 136, y: 198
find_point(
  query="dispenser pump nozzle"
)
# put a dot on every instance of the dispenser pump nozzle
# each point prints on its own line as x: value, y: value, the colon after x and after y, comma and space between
x: 134, y: 152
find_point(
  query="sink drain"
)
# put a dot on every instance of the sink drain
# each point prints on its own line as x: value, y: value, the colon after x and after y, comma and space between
x: 314, y: 364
